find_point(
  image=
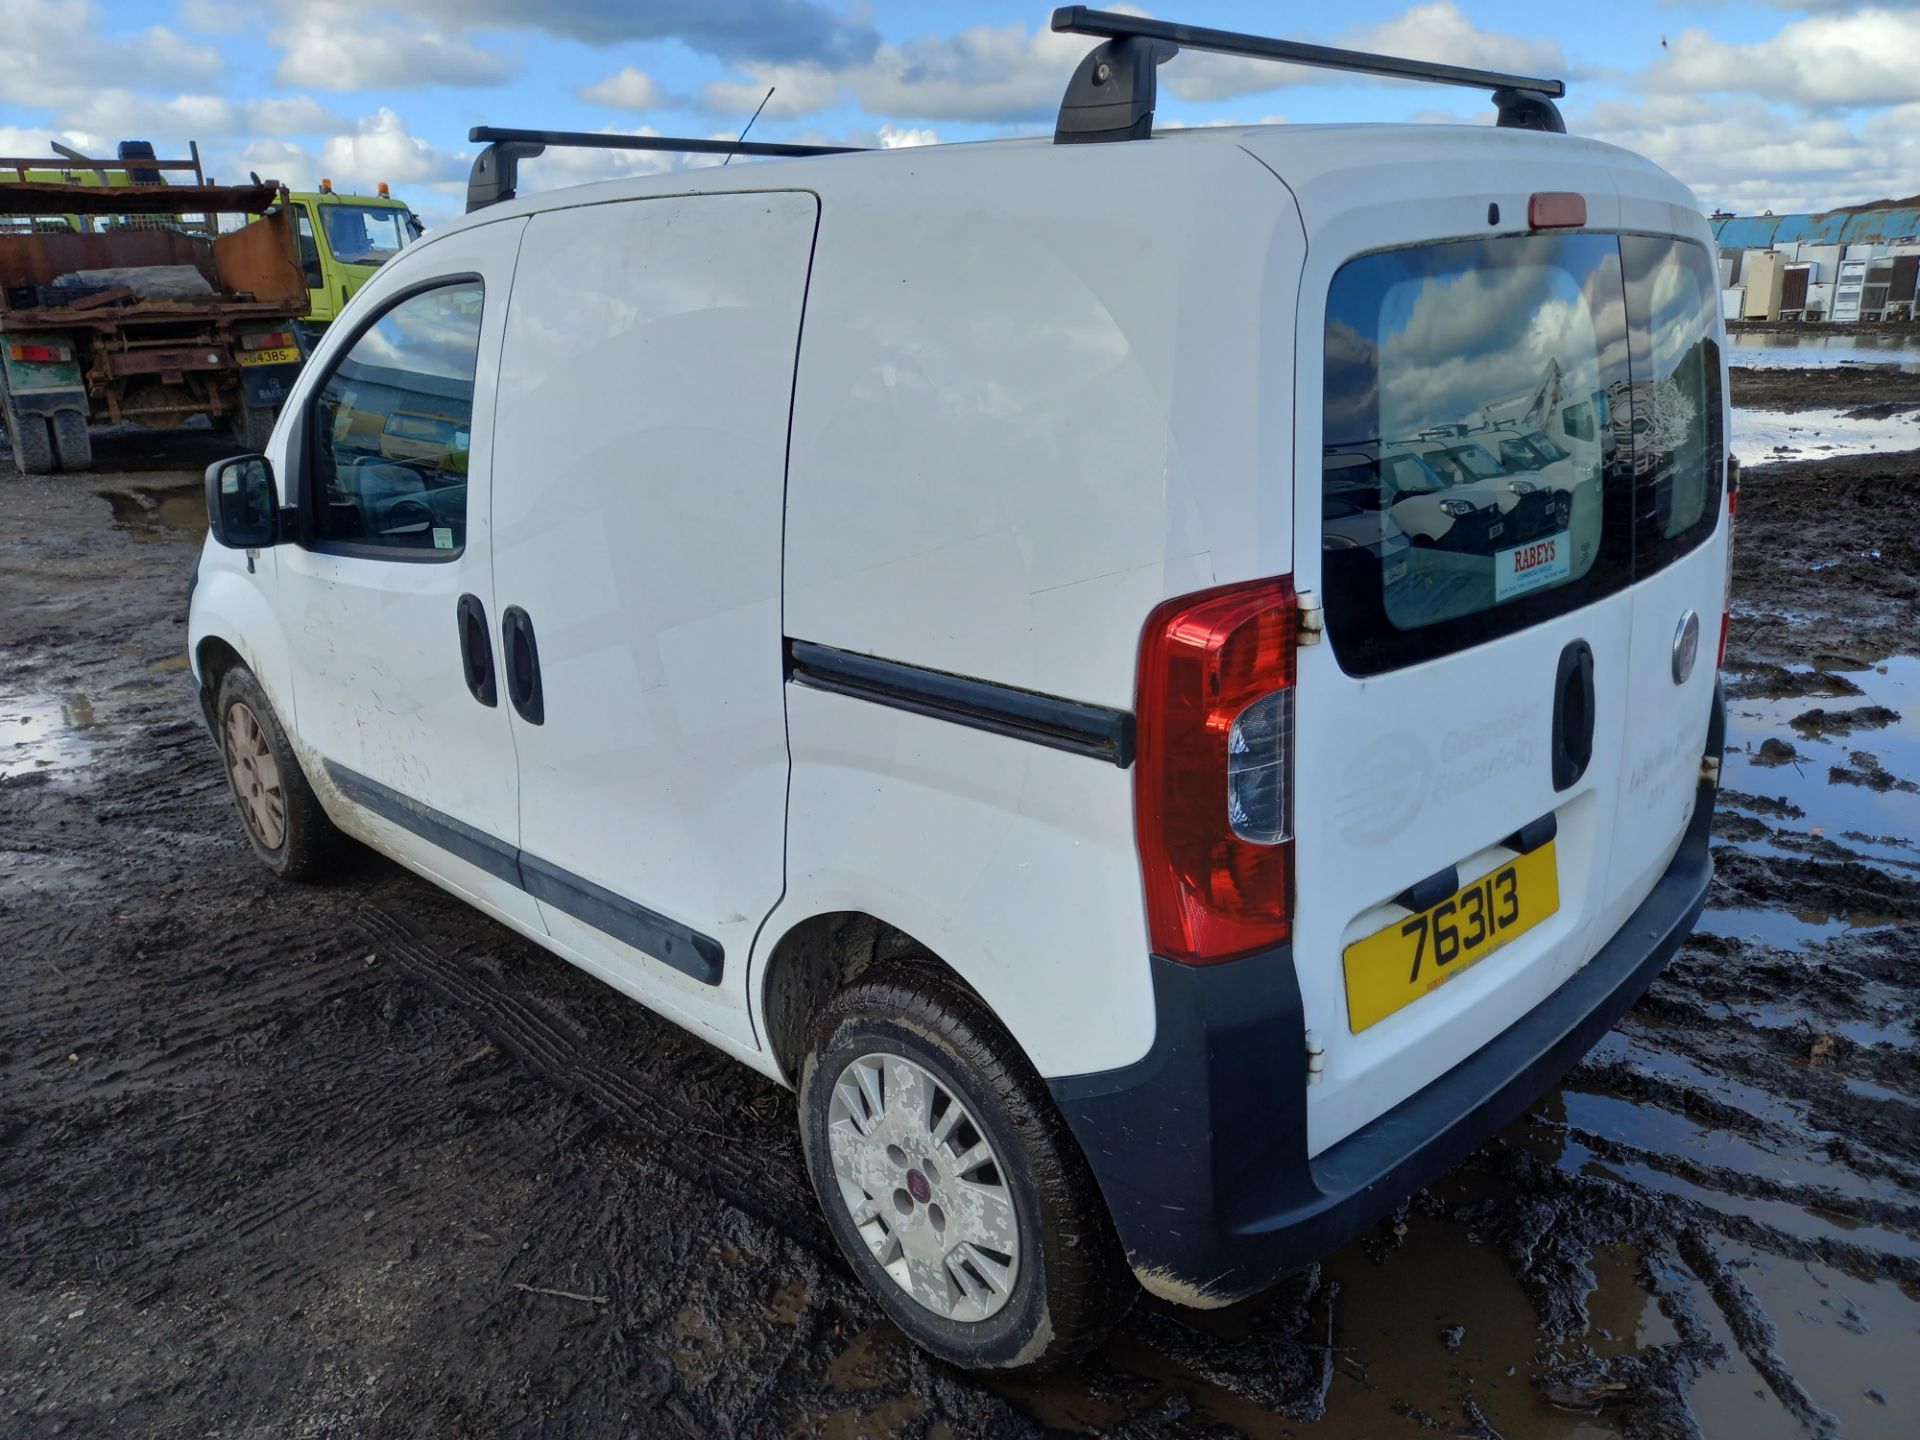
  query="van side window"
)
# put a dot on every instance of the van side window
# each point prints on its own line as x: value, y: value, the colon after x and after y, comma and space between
x: 393, y: 428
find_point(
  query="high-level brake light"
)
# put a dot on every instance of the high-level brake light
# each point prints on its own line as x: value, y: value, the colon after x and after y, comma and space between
x: 1557, y: 210
x: 1213, y: 779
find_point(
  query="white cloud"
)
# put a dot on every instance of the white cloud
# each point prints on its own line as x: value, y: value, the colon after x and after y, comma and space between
x: 54, y: 53
x: 893, y: 137
x: 382, y: 148
x: 336, y: 46
x: 1828, y: 62
x: 1003, y: 74
x: 1748, y: 156
x: 628, y: 89
x: 560, y: 167
x: 198, y: 117
x: 797, y: 90
x: 223, y: 17
x: 1437, y: 30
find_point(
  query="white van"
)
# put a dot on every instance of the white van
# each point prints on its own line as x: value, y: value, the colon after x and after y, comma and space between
x: 875, y: 610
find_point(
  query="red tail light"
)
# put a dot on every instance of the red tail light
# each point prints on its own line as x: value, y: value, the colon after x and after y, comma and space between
x: 272, y: 340
x: 1733, y: 509
x: 1213, y: 781
x: 42, y: 354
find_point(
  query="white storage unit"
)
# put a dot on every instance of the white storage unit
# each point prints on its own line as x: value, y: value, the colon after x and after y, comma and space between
x: 1850, y: 281
x: 1824, y: 259
x: 1730, y: 299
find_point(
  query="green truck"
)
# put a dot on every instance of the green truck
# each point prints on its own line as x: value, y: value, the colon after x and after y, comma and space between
x: 343, y: 239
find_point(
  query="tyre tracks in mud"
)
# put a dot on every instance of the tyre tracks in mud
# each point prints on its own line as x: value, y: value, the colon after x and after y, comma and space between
x: 758, y: 1172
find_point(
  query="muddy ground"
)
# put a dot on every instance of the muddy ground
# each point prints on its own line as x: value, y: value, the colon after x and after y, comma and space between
x: 1864, y: 389
x: 352, y: 1160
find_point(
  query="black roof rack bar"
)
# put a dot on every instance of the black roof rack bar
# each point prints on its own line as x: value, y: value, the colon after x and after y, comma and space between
x: 496, y: 169
x: 1111, y: 95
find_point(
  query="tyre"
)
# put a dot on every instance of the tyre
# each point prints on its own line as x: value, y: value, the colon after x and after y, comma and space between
x: 283, y: 819
x: 950, y: 1181
x: 253, y: 426
x: 72, y: 444
x: 32, y: 444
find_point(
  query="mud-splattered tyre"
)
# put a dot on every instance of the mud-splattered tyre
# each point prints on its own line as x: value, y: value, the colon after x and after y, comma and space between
x: 71, y: 442
x: 32, y: 444
x: 252, y: 427
x: 950, y: 1181
x: 278, y: 810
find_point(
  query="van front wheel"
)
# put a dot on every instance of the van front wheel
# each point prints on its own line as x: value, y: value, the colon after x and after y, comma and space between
x: 283, y: 819
x: 950, y: 1181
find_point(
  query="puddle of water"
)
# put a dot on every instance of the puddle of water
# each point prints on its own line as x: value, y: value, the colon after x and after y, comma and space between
x: 1798, y: 349
x: 153, y: 514
x: 1861, y: 1032
x: 1763, y: 435
x: 43, y: 733
x: 1830, y: 809
x: 1664, y: 1132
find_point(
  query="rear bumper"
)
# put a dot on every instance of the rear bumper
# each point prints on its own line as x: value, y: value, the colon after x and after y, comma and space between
x: 1201, y: 1147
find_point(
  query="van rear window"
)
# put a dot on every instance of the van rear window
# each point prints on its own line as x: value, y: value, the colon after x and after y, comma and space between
x: 1492, y: 408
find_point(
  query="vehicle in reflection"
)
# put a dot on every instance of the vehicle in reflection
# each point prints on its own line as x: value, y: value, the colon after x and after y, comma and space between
x: 1535, y: 459
x: 1526, y: 507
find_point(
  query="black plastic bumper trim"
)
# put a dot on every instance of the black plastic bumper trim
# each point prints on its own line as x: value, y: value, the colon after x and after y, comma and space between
x: 1200, y: 1147
x: 666, y: 940
x: 1069, y: 725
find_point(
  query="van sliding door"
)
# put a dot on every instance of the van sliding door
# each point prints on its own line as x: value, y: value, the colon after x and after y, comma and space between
x: 640, y: 467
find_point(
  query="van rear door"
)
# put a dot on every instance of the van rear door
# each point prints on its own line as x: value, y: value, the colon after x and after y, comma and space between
x: 1680, y: 559
x: 1460, y: 737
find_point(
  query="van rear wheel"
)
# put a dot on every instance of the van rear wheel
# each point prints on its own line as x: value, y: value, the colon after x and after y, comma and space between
x: 950, y: 1181
x: 278, y: 809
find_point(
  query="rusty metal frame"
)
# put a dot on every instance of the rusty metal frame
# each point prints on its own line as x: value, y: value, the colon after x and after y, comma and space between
x: 70, y: 159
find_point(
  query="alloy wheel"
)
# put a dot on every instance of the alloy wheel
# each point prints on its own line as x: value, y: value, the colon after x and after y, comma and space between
x: 924, y: 1187
x: 255, y: 776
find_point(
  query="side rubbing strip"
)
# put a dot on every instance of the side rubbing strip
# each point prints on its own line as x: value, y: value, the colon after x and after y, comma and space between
x: 1046, y: 720
x: 476, y: 847
x: 667, y: 941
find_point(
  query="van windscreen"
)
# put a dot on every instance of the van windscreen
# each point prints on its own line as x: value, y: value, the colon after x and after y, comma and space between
x: 1513, y: 370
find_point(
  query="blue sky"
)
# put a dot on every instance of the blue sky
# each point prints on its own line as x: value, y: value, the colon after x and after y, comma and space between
x: 1755, y: 105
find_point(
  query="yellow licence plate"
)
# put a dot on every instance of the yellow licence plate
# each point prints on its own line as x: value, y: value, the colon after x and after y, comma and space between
x: 1396, y: 965
x: 287, y: 356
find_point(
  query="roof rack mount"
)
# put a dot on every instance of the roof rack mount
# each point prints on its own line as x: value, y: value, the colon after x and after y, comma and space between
x: 1112, y: 93
x: 496, y: 169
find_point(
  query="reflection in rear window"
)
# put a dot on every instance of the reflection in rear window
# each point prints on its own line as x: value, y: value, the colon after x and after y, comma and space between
x: 1500, y: 406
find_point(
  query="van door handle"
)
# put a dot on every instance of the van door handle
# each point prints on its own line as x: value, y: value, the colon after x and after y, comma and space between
x: 523, y: 666
x: 1573, y: 714
x: 476, y: 650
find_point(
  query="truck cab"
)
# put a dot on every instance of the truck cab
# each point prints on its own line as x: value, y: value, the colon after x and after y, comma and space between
x: 343, y: 240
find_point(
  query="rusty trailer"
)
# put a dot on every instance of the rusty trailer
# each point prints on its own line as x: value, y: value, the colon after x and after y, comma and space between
x: 127, y: 302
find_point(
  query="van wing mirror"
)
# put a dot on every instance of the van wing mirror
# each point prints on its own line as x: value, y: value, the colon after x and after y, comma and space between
x: 243, y: 508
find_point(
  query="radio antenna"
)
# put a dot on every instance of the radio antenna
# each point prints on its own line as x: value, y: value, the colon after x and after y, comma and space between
x: 750, y: 119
